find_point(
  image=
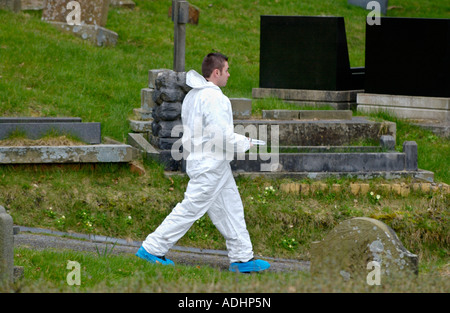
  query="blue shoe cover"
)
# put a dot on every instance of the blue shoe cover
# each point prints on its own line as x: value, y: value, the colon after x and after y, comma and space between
x: 143, y: 254
x: 250, y: 266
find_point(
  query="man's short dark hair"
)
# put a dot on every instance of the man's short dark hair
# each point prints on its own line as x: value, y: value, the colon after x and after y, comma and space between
x: 213, y: 61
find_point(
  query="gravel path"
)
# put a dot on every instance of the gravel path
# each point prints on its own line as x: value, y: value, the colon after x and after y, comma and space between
x: 37, y: 238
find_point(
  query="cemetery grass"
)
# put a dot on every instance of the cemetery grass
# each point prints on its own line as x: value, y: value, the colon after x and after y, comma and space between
x: 44, y: 72
x: 109, y: 200
x: 46, y: 272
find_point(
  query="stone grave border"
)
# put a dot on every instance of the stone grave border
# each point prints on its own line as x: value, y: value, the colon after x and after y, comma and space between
x: 95, y: 152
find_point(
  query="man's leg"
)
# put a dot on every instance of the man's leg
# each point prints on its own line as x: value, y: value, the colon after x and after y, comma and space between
x: 201, y: 192
x: 227, y: 214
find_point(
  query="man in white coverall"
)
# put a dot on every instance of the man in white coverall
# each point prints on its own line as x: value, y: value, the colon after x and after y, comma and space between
x: 208, y: 134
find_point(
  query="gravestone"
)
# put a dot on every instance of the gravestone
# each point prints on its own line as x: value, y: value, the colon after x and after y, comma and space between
x: 83, y: 18
x: 93, y: 12
x: 349, y: 248
x: 305, y: 52
x: 6, y: 247
x: 363, y: 4
x: 409, y: 57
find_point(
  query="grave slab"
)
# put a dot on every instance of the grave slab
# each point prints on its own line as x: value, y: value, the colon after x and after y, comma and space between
x: 307, y: 114
x: 97, y: 35
x: 40, y: 120
x: 321, y: 162
x: 410, y: 107
x: 66, y: 154
x: 86, y: 132
x: 338, y: 99
x: 320, y: 132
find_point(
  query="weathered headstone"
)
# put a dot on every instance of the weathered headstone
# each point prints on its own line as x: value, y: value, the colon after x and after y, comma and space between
x: 83, y: 18
x: 11, y: 5
x: 351, y: 247
x: 92, y: 12
x: 6, y: 246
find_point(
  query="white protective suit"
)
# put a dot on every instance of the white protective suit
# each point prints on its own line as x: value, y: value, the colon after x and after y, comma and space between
x: 209, y: 136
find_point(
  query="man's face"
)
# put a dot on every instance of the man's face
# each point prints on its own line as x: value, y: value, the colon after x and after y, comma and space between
x: 223, y: 76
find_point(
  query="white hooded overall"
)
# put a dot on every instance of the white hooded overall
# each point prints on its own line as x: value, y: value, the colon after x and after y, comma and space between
x: 209, y: 136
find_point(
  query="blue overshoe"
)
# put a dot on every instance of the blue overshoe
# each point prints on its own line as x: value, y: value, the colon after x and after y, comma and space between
x: 143, y: 254
x: 250, y: 266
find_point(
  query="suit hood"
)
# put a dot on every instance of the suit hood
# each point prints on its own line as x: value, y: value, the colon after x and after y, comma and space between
x: 197, y: 81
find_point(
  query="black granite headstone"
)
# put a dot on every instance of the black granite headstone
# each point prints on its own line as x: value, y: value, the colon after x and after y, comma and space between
x: 408, y: 56
x: 305, y: 52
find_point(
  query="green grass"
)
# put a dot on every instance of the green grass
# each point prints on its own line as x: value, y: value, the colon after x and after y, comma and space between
x: 45, y: 72
x: 46, y: 271
x: 109, y: 200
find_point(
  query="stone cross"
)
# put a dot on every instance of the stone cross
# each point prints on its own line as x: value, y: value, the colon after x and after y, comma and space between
x: 180, y: 17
